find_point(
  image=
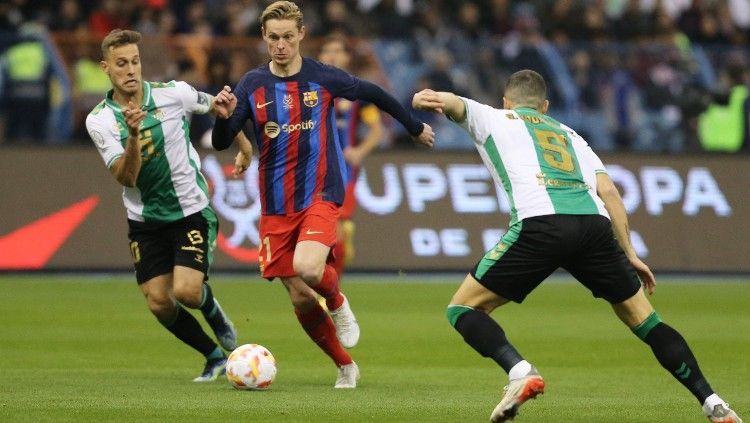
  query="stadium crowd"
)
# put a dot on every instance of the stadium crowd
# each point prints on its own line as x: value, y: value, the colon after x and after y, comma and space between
x: 633, y: 75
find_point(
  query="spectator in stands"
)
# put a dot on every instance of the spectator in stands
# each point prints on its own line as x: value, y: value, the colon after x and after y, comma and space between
x: 499, y: 20
x: 723, y: 127
x: 26, y: 79
x: 106, y: 17
x: 69, y: 17
x: 337, y: 17
x: 392, y: 20
x: 660, y: 129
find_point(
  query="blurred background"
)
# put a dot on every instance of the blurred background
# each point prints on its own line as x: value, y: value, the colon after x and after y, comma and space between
x: 630, y: 75
x: 658, y: 88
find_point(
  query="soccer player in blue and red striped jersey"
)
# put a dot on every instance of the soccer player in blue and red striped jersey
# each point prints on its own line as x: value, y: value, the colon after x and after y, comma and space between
x: 302, y: 173
x: 360, y: 132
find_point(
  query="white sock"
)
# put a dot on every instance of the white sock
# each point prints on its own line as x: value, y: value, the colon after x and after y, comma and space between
x: 712, y: 401
x: 520, y: 370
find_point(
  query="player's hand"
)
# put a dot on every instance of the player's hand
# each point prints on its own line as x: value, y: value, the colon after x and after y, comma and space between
x: 427, y: 137
x: 429, y: 100
x: 354, y: 156
x: 241, y: 163
x: 647, y: 277
x: 243, y: 159
x: 133, y: 118
x: 225, y: 102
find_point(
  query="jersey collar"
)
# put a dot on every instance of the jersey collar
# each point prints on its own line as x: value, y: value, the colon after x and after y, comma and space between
x: 116, y: 107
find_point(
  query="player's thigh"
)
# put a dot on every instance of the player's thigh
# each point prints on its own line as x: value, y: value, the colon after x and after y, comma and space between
x: 310, y: 257
x: 473, y: 294
x: 192, y: 240
x: 151, y: 250
x: 525, y: 256
x: 317, y: 234
x: 600, y: 264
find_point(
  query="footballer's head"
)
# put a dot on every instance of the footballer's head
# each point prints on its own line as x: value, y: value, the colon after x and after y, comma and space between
x: 335, y: 51
x: 121, y: 60
x: 526, y: 88
x: 282, y: 28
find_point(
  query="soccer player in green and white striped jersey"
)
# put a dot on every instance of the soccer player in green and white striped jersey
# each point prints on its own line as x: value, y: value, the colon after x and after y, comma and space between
x: 141, y: 131
x: 565, y: 213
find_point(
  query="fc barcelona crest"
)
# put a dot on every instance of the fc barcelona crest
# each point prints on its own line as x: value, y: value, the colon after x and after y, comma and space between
x: 310, y: 98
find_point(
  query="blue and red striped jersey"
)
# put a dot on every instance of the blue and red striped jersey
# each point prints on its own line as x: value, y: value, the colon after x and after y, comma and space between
x: 301, y: 160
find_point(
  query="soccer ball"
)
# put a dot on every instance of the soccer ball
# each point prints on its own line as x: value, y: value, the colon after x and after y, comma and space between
x: 251, y: 367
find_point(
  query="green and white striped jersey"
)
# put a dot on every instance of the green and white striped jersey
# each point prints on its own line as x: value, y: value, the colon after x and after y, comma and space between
x: 170, y: 185
x: 544, y: 166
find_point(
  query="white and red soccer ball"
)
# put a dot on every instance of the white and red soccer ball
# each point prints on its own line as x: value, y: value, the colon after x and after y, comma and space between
x: 251, y: 367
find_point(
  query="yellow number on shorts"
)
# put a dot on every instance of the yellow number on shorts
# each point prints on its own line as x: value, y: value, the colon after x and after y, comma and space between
x: 195, y: 237
x: 555, y: 152
x: 267, y: 244
x: 135, y: 252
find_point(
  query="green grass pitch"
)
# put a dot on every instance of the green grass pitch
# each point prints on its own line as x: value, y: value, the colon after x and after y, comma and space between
x: 85, y: 349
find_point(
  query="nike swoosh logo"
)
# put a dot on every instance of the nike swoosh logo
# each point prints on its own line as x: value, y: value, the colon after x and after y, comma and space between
x: 309, y: 232
x: 260, y: 106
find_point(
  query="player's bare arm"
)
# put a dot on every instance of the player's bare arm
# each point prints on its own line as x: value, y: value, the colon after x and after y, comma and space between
x: 613, y: 202
x: 126, y: 168
x: 440, y: 102
x: 244, y: 157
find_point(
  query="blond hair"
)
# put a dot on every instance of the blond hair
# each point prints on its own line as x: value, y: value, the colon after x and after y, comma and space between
x: 282, y: 10
x: 526, y: 88
x: 119, y: 38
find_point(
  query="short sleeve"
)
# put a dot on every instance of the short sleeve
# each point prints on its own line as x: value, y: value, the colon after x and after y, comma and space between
x: 106, y: 140
x: 193, y: 101
x: 594, y: 161
x: 478, y: 119
x: 585, y: 152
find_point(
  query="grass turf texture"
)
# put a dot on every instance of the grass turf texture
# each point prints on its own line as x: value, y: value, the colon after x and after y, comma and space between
x: 86, y: 349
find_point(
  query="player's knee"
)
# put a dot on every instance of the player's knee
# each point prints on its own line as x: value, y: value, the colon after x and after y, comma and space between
x: 188, y: 294
x: 309, y: 270
x: 161, y: 306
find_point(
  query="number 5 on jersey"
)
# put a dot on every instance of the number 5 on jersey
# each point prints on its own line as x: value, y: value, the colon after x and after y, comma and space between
x: 555, y: 147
